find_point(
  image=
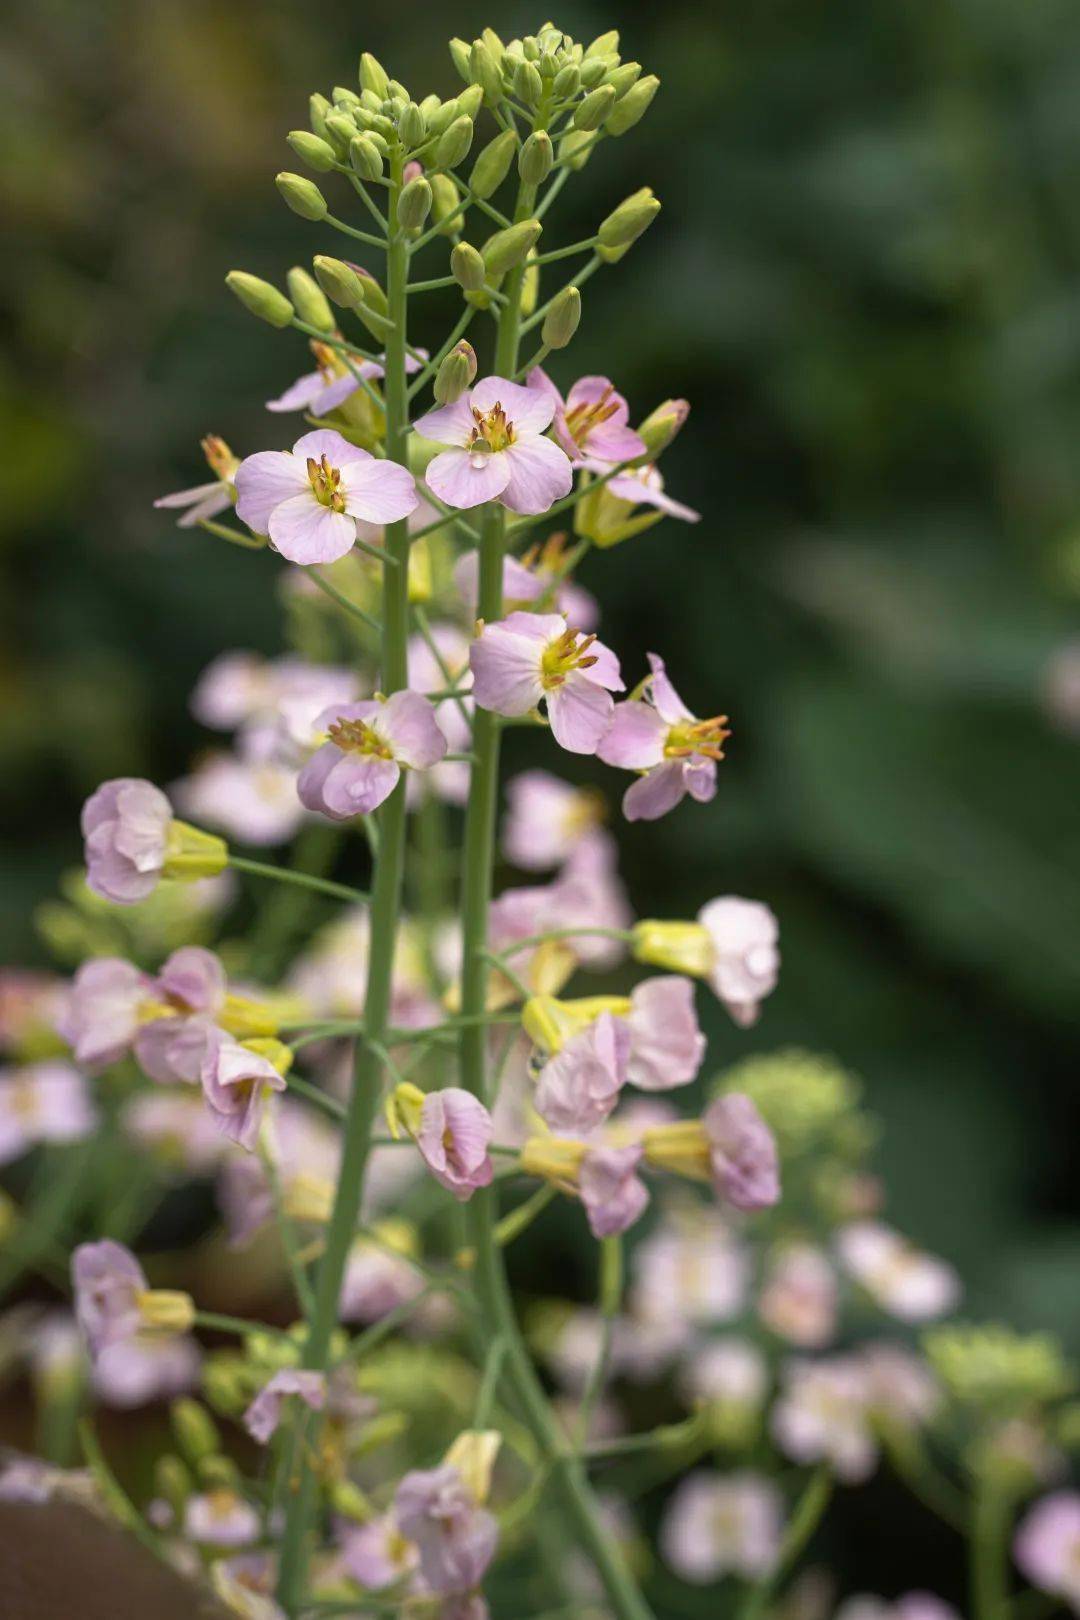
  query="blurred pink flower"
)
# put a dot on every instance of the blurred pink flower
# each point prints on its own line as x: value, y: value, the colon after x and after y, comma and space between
x: 125, y: 825
x: 746, y: 961
x: 742, y: 1149
x: 264, y: 1413
x: 722, y: 1524
x: 43, y: 1102
x: 453, y: 1135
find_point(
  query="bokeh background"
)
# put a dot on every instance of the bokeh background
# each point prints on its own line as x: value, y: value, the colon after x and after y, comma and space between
x: 866, y: 279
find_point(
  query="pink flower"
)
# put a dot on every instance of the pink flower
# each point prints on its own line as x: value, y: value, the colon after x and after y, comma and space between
x: 176, y: 1128
x: 324, y: 389
x: 577, y: 1089
x: 910, y: 1285
x: 376, y: 1282
x: 592, y: 421
x: 455, y: 1539
x: 545, y: 819
x: 732, y: 1372
x: 538, y: 574
x: 206, y: 500
x: 746, y: 961
x: 798, y: 1299
x: 742, y: 1150
x: 1047, y: 1546
x: 191, y: 986
x: 527, y: 658
x: 690, y: 1273
x: 220, y: 1518
x: 658, y: 735
x: 251, y: 800
x: 453, y: 1135
x: 44, y: 1102
x: 134, y: 1372
x: 235, y: 1083
x: 101, y: 1017
x: 822, y: 1416
x: 722, y: 1524
x: 612, y: 1192
x: 264, y: 1413
x: 589, y: 893
x: 899, y: 1384
x: 360, y: 764
x: 644, y: 486
x: 500, y: 452
x: 125, y: 825
x: 666, y: 1044
x: 310, y: 499
x: 376, y: 1554
x: 107, y: 1280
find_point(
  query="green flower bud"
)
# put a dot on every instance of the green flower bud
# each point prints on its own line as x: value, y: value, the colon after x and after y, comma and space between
x: 493, y: 164
x: 528, y: 83
x: 340, y: 130
x: 603, y: 44
x: 548, y: 65
x: 195, y: 1430
x: 371, y: 292
x: 570, y: 149
x: 172, y: 1483
x: 454, y: 143
x: 342, y: 96
x: 309, y: 300
x: 444, y: 201
x: 303, y: 196
x: 661, y: 425
x: 365, y: 157
x: 312, y: 150
x: 459, y: 55
x: 494, y: 44
x: 441, y: 115
x: 373, y: 75
x: 471, y: 100
x: 530, y: 48
x: 414, y: 204
x: 218, y: 1472
x: 226, y: 1382
x: 412, y: 127
x: 530, y: 286
x: 260, y: 297
x: 591, y: 112
x: 371, y: 102
x: 318, y: 107
x: 535, y: 158
x: 456, y: 373
x: 567, y: 81
x: 633, y: 106
x: 379, y: 142
x: 507, y: 249
x: 429, y: 105
x: 591, y: 73
x: 397, y: 91
x: 349, y: 1501
x: 339, y: 281
x: 627, y: 222
x: 623, y: 77
x: 467, y: 267
x: 484, y: 71
x: 562, y: 319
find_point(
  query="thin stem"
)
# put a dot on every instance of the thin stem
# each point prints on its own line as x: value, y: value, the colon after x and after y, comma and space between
x: 530, y: 940
x: 220, y: 1323
x: 566, y: 252
x: 435, y: 285
x: 533, y: 361
x: 348, y: 352
x: 343, y: 601
x: 611, y: 1287
x: 368, y: 201
x: 582, y: 276
x: 437, y: 359
x: 312, y: 1094
x: 358, y: 236
x: 520, y: 1219
x: 489, y: 1384
x: 250, y: 542
x: 302, y: 880
x: 809, y: 1511
x: 441, y: 665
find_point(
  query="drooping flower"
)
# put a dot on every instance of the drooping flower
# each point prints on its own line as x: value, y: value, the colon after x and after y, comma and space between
x: 235, y: 1082
x: 499, y: 450
x: 108, y: 1282
x: 43, y: 1102
x: 577, y: 1089
x: 455, y: 1538
x: 657, y: 734
x: 529, y: 658
x: 206, y: 500
x: 310, y: 499
x: 1047, y: 1546
x: 101, y: 1015
x: 452, y: 1131
x: 376, y: 1554
x: 742, y: 1153
x: 264, y: 1413
x: 132, y: 840
x: 330, y: 384
x: 822, y: 1416
x: 367, y: 745
x: 733, y: 945
x: 380, y: 1275
x: 545, y: 818
x: 798, y: 1297
x: 175, y: 1022
x: 691, y: 1272
x: 612, y: 1192
x: 722, y: 1524
x: 591, y: 423
x: 220, y: 1518
x: 910, y: 1285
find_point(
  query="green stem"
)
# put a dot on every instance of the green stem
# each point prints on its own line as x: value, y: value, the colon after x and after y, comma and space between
x: 233, y: 536
x: 385, y: 913
x: 809, y: 1510
x: 352, y: 608
x: 218, y: 1323
x: 303, y: 880
x: 989, y: 1555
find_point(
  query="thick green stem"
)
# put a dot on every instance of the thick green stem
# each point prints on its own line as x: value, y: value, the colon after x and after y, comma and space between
x: 385, y: 911
x: 989, y: 1554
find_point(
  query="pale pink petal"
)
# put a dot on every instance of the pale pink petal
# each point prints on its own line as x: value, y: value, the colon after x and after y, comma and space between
x: 300, y: 394
x: 530, y: 410
x: 506, y: 669
x: 654, y: 794
x: 613, y: 1194
x: 635, y: 739
x: 187, y: 497
x: 449, y: 424
x: 264, y: 481
x: 407, y: 721
x: 579, y: 713
x: 467, y: 478
x: 307, y: 532
x: 357, y: 784
x: 540, y: 475
x: 604, y: 670
x: 669, y: 705
x: 331, y: 444
x: 666, y: 1043
x: 378, y: 491
x: 699, y: 776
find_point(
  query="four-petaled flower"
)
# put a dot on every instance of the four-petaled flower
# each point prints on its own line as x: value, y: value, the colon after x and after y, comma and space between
x: 359, y: 764
x: 529, y: 658
x: 500, y: 452
x: 331, y: 383
x: 658, y: 735
x: 591, y: 422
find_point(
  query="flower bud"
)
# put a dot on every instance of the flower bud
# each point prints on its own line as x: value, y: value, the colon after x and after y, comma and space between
x: 312, y: 150
x: 603, y: 44
x: 260, y: 297
x: 592, y: 72
x: 371, y: 291
x: 412, y: 126
x: 195, y: 1430
x: 661, y: 425
x: 273, y: 1050
x: 318, y: 107
x: 397, y: 91
x: 309, y: 300
x: 570, y: 149
x: 414, y: 204
x: 338, y: 281
x: 530, y: 285
x: 247, y: 1018
x: 528, y: 83
x: 633, y: 106
x: 591, y: 112
x: 456, y: 373
x: 471, y: 100
x: 473, y: 1454
x: 172, y: 1483
x: 507, y: 249
x: 624, y: 77
x: 467, y: 267
x: 373, y: 75
x: 308, y: 1198
x: 342, y: 95
x: 553, y: 1158
x: 493, y: 164
x: 562, y: 319
x: 459, y: 55
x: 454, y: 142
x: 439, y: 114
x: 404, y: 1107
x: 421, y: 581
x: 340, y: 130
x: 166, y: 1310
x: 444, y: 202
x: 627, y: 222
x: 303, y: 196
x: 365, y: 158
x: 567, y: 81
x: 535, y: 158
x: 349, y: 1502
x: 493, y: 43
x: 484, y: 71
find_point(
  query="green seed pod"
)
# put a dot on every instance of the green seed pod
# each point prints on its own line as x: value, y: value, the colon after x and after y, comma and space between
x: 260, y: 297
x: 312, y: 150
x: 339, y: 132
x: 309, y: 300
x: 493, y: 164
x: 603, y: 44
x: 591, y: 112
x: 195, y: 1430
x: 441, y: 116
x: 365, y: 157
x: 467, y: 267
x: 318, y: 107
x: 627, y: 222
x: 471, y: 100
x: 459, y: 55
x: 623, y: 77
x: 633, y: 106
x: 454, y: 143
x: 456, y: 373
x: 484, y: 71
x: 567, y: 81
x: 535, y: 158
x: 303, y: 196
x: 412, y: 127
x: 592, y: 72
x: 528, y: 83
x: 339, y: 281
x: 507, y: 249
x: 445, y: 197
x: 562, y: 319
x: 661, y: 425
x: 373, y: 75
x: 414, y: 204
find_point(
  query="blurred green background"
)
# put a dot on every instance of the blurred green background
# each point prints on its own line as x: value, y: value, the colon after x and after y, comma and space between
x: 866, y: 279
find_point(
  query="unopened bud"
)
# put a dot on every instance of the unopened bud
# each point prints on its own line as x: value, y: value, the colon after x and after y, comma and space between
x: 412, y: 126
x: 535, y: 158
x: 456, y: 373
x: 628, y: 222
x: 575, y: 148
x: 414, y: 204
x: 459, y: 55
x: 373, y: 75
x: 172, y: 1483
x: 166, y: 1310
x: 342, y: 95
x: 318, y: 107
x: 303, y: 196
x: 309, y: 300
x: 623, y: 77
x: 528, y: 83
x: 372, y: 291
x: 661, y: 425
x: 365, y: 157
x: 678, y: 946
x: 338, y: 281
x: 603, y: 44
x: 467, y: 267
x: 471, y: 100
x: 454, y: 142
x: 445, y: 198
x: 340, y: 130
x: 562, y: 319
x: 349, y: 1502
x: 484, y: 71
x: 312, y: 150
x: 591, y: 112
x: 397, y: 91
x: 195, y: 1430
x: 507, y: 249
x: 567, y: 81
x: 260, y: 297
x: 493, y: 164
x: 592, y: 72
x: 530, y: 286
x: 633, y: 106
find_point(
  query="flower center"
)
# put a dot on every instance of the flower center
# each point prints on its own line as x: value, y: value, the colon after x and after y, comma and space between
x: 492, y: 432
x: 563, y: 655
x: 326, y: 483
x: 581, y: 419
x: 357, y: 737
x: 705, y: 737
x: 327, y: 360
